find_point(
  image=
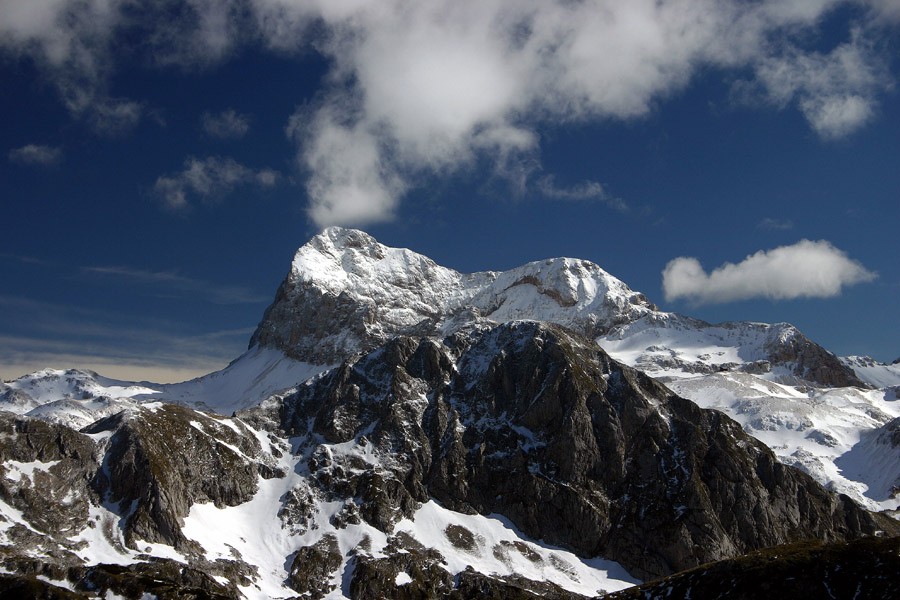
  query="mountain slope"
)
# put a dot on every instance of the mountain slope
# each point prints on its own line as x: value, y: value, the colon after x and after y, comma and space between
x: 672, y: 345
x: 346, y: 293
x: 532, y: 421
x: 405, y: 430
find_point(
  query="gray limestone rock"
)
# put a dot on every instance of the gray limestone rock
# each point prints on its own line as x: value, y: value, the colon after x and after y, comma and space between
x: 534, y: 422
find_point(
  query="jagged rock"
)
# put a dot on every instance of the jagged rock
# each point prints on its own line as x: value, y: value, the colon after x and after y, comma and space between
x: 761, y: 348
x: 476, y: 586
x: 534, y: 422
x: 423, y: 576
x: 313, y: 567
x: 162, y: 578
x: 162, y: 460
x: 441, y: 392
x: 46, y: 472
x: 811, y: 361
x: 346, y: 293
x: 18, y: 587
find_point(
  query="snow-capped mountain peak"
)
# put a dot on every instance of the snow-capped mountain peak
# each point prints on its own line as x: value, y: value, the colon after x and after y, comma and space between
x: 354, y: 293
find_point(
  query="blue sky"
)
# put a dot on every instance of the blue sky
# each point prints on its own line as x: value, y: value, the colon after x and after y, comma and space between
x: 162, y: 162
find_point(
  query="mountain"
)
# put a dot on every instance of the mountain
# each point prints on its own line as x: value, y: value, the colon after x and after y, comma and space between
x: 347, y: 293
x: 400, y: 429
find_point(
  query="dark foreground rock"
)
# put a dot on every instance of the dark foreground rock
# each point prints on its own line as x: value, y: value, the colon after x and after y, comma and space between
x: 163, y: 579
x: 865, y: 569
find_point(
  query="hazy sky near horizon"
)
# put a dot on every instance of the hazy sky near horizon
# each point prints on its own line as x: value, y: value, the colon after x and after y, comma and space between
x: 161, y: 161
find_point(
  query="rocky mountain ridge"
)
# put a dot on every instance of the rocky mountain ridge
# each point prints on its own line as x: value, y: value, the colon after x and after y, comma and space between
x: 354, y: 294
x: 403, y: 429
x: 376, y: 476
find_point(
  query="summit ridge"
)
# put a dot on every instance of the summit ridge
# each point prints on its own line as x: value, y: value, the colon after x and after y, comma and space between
x: 356, y: 293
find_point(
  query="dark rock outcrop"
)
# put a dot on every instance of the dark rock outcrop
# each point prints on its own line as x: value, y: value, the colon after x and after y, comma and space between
x: 534, y: 422
x: 162, y: 460
x: 162, y: 578
x: 55, y: 492
x: 865, y: 569
x: 313, y: 567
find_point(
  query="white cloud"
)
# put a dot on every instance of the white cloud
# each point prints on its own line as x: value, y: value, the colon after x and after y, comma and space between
x: 356, y: 189
x: 806, y: 269
x: 210, y: 179
x: 836, y: 92
x: 36, y: 154
x: 226, y: 124
x: 422, y: 89
x: 426, y: 81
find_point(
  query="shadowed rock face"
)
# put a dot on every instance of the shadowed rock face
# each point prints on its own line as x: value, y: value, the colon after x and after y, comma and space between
x: 161, y: 461
x: 55, y: 498
x: 865, y: 569
x: 534, y: 422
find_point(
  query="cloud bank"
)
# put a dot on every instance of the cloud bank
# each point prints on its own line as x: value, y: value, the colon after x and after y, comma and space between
x: 804, y: 270
x: 118, y: 345
x: 429, y: 89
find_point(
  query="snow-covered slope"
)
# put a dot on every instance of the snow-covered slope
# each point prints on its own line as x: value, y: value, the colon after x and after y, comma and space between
x: 77, y: 398
x: 831, y: 433
x: 247, y: 381
x: 264, y: 536
x: 873, y: 372
x: 672, y: 345
x: 72, y: 397
x: 347, y: 489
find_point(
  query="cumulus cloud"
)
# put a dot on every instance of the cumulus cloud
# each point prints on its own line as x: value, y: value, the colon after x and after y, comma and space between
x: 806, y: 269
x: 423, y: 89
x: 210, y: 178
x: 429, y: 83
x: 361, y: 187
x: 226, y: 124
x: 36, y: 154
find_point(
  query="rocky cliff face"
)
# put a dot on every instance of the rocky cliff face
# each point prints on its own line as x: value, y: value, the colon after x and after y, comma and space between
x: 534, y: 422
x: 346, y: 293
